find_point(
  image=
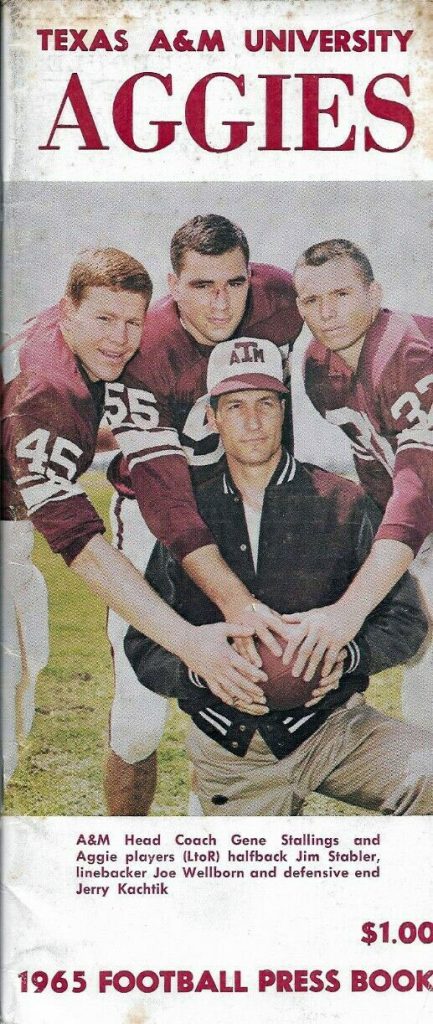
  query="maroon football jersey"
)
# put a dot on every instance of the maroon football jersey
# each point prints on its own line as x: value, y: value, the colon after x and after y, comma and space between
x: 50, y: 420
x: 157, y: 410
x: 385, y: 407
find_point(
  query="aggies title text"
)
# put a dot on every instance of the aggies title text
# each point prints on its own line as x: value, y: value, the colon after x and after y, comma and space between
x: 305, y: 111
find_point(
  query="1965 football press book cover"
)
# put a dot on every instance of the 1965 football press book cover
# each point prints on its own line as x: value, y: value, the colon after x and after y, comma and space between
x: 217, y: 377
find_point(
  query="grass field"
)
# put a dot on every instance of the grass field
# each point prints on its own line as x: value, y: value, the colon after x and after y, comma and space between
x: 61, y: 764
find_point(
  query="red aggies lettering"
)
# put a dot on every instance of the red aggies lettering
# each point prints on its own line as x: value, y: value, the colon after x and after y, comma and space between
x: 130, y: 113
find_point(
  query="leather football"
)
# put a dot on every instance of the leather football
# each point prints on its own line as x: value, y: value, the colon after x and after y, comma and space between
x: 282, y: 689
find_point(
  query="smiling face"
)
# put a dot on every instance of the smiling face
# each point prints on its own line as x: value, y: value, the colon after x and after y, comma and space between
x: 104, y: 329
x: 211, y: 294
x: 337, y: 305
x: 250, y: 425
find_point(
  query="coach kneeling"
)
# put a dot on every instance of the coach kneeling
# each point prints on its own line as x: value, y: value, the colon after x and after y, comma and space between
x: 296, y: 536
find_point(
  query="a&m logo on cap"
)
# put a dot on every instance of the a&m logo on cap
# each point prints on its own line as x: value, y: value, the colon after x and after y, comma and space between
x: 245, y: 350
x: 244, y: 364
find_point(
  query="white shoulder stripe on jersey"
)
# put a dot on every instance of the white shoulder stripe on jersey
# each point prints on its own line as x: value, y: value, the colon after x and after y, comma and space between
x: 10, y: 358
x: 361, y: 454
x: 57, y: 489
x: 416, y: 446
x: 420, y: 434
x: 155, y: 455
x: 25, y: 480
x: 139, y: 440
x: 367, y: 439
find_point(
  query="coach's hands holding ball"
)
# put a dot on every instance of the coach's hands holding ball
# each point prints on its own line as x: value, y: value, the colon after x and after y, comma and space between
x: 319, y: 635
x: 261, y: 675
x: 266, y: 625
x: 234, y: 679
x: 328, y: 682
x: 261, y: 622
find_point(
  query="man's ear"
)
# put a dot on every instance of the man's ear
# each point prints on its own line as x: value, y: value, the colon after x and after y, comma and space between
x: 172, y: 284
x: 376, y: 294
x: 66, y: 307
x: 299, y: 306
x: 210, y: 416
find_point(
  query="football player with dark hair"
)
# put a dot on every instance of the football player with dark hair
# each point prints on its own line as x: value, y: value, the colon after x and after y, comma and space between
x: 211, y: 235
x: 215, y: 294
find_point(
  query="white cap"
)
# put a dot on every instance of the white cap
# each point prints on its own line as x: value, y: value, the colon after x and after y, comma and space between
x: 245, y: 364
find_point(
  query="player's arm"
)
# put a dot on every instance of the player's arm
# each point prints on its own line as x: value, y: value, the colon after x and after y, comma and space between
x: 204, y: 649
x: 209, y: 571
x: 324, y: 631
x: 387, y: 629
x: 45, y: 463
x: 407, y: 520
x: 163, y: 671
x: 393, y: 630
x: 168, y: 675
x: 142, y: 423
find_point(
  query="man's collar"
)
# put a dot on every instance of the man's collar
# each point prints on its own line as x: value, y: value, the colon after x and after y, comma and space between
x: 284, y: 473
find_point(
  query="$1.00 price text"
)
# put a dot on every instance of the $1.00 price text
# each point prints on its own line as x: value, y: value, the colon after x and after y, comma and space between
x: 406, y: 932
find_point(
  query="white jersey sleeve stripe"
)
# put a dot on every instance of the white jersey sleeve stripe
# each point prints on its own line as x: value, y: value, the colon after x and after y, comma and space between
x: 56, y: 489
x: 155, y: 455
x: 136, y: 440
x: 415, y: 435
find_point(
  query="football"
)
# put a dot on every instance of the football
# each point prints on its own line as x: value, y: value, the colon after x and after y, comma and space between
x: 282, y: 689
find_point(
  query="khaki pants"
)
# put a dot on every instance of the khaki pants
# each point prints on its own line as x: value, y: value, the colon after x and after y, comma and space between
x: 358, y: 755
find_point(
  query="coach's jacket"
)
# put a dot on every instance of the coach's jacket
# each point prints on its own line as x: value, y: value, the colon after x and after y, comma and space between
x: 316, y: 531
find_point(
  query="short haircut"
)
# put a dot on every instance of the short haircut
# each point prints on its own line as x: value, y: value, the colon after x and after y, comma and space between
x: 336, y: 248
x: 210, y: 235
x: 109, y: 268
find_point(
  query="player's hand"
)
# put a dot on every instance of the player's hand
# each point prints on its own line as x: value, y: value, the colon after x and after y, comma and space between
x: 229, y: 676
x: 319, y: 633
x: 265, y: 624
x: 328, y: 682
x: 255, y: 708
